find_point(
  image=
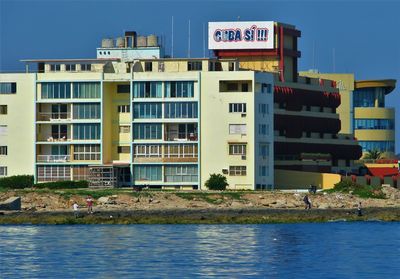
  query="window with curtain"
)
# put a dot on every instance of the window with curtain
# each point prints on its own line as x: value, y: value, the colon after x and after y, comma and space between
x: 8, y: 87
x: 86, y: 131
x: 179, y: 89
x: 146, y: 110
x: 147, y: 173
x: 181, y: 173
x: 56, y: 90
x: 181, y: 110
x: 86, y: 90
x: 147, y: 89
x: 147, y: 131
x: 87, y: 152
x: 87, y: 111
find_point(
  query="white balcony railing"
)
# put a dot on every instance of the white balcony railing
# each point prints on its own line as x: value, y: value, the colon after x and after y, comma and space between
x: 53, y: 158
x: 53, y: 116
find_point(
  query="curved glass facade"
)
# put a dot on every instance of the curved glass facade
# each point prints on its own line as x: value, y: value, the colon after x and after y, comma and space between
x: 366, y: 97
x: 383, y: 146
x: 374, y: 124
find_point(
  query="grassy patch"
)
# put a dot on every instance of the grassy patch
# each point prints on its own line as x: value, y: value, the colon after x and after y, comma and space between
x: 363, y: 191
x: 212, y: 198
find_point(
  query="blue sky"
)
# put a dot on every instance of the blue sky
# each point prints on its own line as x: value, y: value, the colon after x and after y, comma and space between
x: 364, y: 34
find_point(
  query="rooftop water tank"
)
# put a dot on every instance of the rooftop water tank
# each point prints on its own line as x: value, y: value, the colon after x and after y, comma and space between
x: 141, y: 41
x: 107, y: 43
x: 152, y: 41
x: 120, y: 42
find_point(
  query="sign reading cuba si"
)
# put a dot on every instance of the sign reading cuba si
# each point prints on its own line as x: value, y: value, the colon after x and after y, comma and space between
x: 241, y: 35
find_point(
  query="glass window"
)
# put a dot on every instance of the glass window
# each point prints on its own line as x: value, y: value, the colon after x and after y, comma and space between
x: 3, y: 171
x: 86, y: 67
x: 56, y: 90
x: 124, y: 109
x: 237, y: 149
x: 87, y: 90
x: 148, y: 66
x: 181, y: 110
x: 70, y: 67
x: 123, y: 88
x: 147, y: 131
x: 366, y: 97
x: 237, y: 170
x: 3, y: 109
x: 147, y: 89
x: 262, y: 129
x: 179, y: 89
x: 237, y: 107
x: 3, y: 150
x: 87, y: 111
x: 8, y: 87
x: 146, y: 110
x: 147, y: 173
x: 86, y: 131
x: 123, y: 149
x: 194, y: 65
x: 87, y: 152
x: 181, y: 173
x: 145, y: 150
x: 382, y: 146
x: 124, y: 129
x: 264, y: 149
x: 374, y: 124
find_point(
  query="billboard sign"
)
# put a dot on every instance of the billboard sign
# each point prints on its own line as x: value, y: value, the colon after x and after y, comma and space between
x: 241, y: 35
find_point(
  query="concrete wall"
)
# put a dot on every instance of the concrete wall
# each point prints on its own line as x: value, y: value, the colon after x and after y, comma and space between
x: 286, y: 179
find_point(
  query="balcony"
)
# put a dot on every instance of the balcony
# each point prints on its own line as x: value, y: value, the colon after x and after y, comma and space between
x: 53, y: 158
x: 60, y: 137
x: 53, y: 116
x: 181, y: 137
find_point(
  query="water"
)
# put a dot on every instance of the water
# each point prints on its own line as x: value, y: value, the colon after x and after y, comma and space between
x: 326, y: 250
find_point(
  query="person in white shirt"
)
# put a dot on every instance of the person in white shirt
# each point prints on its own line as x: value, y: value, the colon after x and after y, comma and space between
x: 76, y: 209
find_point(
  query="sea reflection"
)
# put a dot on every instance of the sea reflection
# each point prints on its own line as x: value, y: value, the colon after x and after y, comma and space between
x: 190, y: 251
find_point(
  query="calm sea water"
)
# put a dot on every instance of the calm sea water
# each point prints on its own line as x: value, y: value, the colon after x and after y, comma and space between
x: 327, y: 250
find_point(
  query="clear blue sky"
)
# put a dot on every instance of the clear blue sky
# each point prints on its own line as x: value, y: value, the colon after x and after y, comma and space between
x: 364, y: 34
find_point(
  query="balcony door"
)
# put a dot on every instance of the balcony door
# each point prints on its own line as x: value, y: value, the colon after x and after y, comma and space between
x: 59, y: 111
x: 59, y: 132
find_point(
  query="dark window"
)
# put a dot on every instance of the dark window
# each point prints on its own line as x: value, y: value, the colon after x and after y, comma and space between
x: 194, y: 65
x: 231, y: 66
x: 123, y: 149
x: 148, y: 66
x: 232, y: 86
x: 3, y: 109
x: 123, y: 88
x: 70, y: 67
x: 86, y: 67
x: 3, y: 150
x: 245, y: 87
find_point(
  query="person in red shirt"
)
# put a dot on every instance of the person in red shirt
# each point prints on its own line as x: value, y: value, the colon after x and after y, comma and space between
x: 89, y: 203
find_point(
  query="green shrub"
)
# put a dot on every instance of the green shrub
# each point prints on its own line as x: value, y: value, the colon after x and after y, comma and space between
x: 17, y: 182
x: 216, y: 182
x: 63, y: 185
x: 363, y: 191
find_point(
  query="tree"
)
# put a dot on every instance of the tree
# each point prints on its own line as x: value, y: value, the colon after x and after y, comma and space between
x: 373, y: 154
x: 216, y: 182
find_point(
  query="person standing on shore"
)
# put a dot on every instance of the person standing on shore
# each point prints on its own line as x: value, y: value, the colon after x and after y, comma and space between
x: 89, y: 203
x: 307, y: 202
x: 76, y: 209
x: 359, y: 212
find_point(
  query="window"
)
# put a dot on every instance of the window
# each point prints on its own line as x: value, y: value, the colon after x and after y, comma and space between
x: 232, y: 87
x: 143, y: 150
x: 53, y: 173
x: 56, y: 90
x: 148, y: 66
x: 264, y: 149
x: 374, y: 124
x: 86, y: 67
x: 180, y: 151
x: 87, y: 152
x: 263, y: 108
x: 3, y: 109
x: 147, y: 131
x: 123, y: 149
x: 235, y: 129
x: 86, y: 131
x: 383, y: 146
x: 3, y: 150
x: 3, y: 130
x: 245, y: 87
x: 87, y: 90
x: 124, y: 109
x: 123, y: 88
x: 237, y: 149
x: 181, y: 173
x: 214, y: 66
x: 70, y: 67
x: 194, y: 65
x: 8, y: 87
x: 124, y: 129
x: 147, y: 89
x: 86, y: 111
x: 263, y: 129
x: 266, y: 88
x: 179, y: 89
x: 237, y: 107
x: 237, y: 170
x: 180, y: 110
x: 55, y: 67
x: 231, y: 66
x: 147, y: 173
x: 235, y: 85
x: 263, y: 170
x: 146, y: 110
x: 3, y: 171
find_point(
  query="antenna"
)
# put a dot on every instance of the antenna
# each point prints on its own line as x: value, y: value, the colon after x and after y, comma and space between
x: 333, y: 60
x: 189, y: 41
x: 172, y: 37
x: 313, y: 56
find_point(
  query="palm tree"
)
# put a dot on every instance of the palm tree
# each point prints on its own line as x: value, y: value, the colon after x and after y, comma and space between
x: 373, y: 154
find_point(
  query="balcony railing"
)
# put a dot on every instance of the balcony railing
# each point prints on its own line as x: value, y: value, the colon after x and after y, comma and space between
x: 54, y: 138
x: 53, y: 158
x: 181, y: 137
x: 53, y: 116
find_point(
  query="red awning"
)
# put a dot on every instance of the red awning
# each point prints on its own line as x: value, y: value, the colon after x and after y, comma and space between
x: 384, y: 171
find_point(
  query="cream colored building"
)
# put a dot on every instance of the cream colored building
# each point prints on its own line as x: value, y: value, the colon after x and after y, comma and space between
x: 164, y: 123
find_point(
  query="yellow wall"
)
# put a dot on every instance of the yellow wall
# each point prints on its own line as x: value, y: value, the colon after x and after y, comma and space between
x: 376, y: 113
x: 20, y: 122
x: 287, y: 179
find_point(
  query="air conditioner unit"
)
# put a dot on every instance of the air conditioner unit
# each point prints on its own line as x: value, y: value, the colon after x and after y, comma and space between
x: 243, y: 114
x: 243, y: 157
